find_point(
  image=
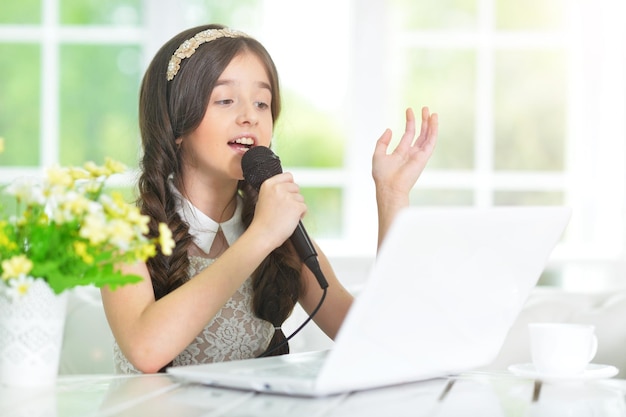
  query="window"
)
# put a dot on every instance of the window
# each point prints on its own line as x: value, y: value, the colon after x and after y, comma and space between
x: 531, y: 97
x: 518, y: 86
x: 70, y: 94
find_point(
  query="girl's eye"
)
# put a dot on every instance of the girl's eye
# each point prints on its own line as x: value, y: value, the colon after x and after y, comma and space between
x: 225, y: 101
x: 262, y: 105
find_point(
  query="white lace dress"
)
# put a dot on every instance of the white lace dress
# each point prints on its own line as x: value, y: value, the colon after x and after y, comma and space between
x: 235, y: 332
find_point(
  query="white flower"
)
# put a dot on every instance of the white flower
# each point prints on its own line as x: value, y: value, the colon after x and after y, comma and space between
x: 70, y: 206
x: 18, y: 287
x: 94, y: 228
x: 121, y: 233
x: 27, y: 191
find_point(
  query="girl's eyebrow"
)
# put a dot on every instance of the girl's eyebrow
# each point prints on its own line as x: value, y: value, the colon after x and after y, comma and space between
x: 260, y: 84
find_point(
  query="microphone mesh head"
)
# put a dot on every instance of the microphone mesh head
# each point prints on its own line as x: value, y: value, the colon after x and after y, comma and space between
x: 258, y: 164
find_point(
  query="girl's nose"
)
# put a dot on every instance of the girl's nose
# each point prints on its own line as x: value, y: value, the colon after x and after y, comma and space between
x: 247, y: 115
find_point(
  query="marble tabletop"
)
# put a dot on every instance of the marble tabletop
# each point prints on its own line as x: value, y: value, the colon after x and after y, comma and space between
x: 470, y: 394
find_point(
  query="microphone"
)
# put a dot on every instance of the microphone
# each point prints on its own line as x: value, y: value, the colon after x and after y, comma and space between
x: 260, y: 163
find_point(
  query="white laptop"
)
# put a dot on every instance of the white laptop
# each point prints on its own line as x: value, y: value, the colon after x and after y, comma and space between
x: 441, y: 297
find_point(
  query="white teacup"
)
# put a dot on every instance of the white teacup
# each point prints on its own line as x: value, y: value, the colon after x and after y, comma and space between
x: 563, y: 349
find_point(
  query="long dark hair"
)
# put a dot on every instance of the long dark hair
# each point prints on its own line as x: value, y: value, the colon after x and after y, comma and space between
x: 172, y: 109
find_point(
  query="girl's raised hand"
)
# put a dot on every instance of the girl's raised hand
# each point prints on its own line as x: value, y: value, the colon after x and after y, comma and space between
x: 395, y: 173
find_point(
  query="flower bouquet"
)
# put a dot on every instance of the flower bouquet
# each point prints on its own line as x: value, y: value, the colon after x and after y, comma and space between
x: 62, y: 232
x: 68, y: 232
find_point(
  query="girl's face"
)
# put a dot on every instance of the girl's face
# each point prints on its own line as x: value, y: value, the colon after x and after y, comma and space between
x: 238, y: 116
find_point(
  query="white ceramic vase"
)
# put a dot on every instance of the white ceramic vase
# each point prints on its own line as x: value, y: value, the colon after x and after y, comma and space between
x: 31, y: 335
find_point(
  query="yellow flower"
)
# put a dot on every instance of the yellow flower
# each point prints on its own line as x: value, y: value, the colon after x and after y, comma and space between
x: 81, y: 251
x: 139, y: 220
x: 144, y: 252
x: 1, y: 145
x: 165, y: 239
x: 78, y: 173
x: 94, y: 170
x: 59, y: 177
x: 5, y: 242
x: 16, y: 266
x: 115, y: 205
x: 113, y: 166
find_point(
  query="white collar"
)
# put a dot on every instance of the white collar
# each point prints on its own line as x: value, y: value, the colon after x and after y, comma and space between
x: 203, y: 228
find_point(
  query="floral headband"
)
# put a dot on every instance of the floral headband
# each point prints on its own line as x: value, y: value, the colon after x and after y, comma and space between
x: 187, y: 48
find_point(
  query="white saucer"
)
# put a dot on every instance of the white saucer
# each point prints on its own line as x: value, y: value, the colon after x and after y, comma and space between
x: 593, y: 371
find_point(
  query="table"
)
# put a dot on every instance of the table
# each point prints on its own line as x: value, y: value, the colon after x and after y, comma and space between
x: 469, y: 394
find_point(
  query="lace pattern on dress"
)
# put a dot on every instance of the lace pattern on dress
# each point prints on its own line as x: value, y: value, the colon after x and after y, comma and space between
x: 234, y: 333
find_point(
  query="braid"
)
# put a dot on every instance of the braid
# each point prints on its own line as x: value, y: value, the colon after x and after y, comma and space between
x: 276, y: 282
x: 158, y: 202
x: 156, y: 199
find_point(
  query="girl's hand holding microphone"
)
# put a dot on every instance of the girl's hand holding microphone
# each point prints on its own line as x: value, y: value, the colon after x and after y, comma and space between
x: 279, y: 208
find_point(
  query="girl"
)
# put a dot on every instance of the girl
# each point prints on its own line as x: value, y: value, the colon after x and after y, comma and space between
x: 209, y: 95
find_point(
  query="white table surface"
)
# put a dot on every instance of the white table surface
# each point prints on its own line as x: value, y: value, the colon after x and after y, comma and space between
x: 471, y: 394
